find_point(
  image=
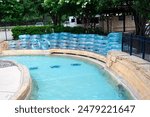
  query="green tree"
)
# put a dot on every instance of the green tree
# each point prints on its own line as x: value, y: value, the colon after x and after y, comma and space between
x: 54, y: 9
x: 10, y: 10
x: 31, y: 9
x: 141, y: 12
x: 88, y: 9
x: 21, y: 10
x: 60, y: 8
x: 81, y: 8
x: 27, y: 10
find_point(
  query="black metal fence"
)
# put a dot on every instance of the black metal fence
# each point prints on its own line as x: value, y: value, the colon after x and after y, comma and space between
x: 136, y: 45
x: 21, y: 23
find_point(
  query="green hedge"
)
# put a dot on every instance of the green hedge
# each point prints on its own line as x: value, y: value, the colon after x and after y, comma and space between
x: 19, y: 30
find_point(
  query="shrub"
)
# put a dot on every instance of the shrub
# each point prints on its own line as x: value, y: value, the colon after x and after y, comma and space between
x: 20, y: 30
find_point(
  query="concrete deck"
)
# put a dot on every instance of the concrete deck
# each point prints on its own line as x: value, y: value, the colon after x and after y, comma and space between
x: 10, y: 81
x: 15, y: 82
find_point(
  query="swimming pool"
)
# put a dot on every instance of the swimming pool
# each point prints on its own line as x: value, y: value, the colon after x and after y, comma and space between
x: 68, y: 78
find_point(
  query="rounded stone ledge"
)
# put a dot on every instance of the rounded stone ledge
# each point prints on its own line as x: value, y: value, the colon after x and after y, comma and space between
x: 24, y: 52
x: 134, y: 72
x: 54, y: 51
x: 25, y: 85
x: 23, y: 81
x: 79, y: 53
x: 3, y: 46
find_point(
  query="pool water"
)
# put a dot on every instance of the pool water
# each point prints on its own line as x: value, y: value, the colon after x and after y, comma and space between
x: 67, y: 78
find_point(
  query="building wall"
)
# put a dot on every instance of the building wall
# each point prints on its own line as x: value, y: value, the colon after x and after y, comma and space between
x: 117, y: 25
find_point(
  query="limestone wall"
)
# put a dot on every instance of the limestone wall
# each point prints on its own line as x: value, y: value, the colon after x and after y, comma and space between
x: 3, y: 46
x: 134, y: 72
x: 80, y: 53
x: 57, y: 51
x: 25, y: 52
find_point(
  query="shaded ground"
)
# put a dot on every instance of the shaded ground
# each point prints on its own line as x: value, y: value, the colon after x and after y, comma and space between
x: 4, y: 64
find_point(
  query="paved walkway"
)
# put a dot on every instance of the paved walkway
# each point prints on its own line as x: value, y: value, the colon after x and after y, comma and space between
x: 9, y: 81
x: 3, y: 35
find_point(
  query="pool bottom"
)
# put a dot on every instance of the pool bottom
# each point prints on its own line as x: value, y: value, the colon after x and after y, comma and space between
x: 121, y: 88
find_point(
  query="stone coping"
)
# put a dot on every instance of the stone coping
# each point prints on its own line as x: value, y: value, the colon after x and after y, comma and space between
x: 25, y: 85
x: 133, y: 71
x: 3, y: 46
x: 54, y: 51
x: 15, y: 81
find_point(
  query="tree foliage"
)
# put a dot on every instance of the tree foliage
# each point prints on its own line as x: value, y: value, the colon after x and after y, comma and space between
x: 20, y: 10
x: 25, y: 10
x: 141, y: 13
x: 10, y: 10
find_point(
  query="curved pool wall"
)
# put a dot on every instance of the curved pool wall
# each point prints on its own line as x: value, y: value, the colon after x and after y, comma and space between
x: 118, y: 85
x: 133, y: 71
x: 88, y: 42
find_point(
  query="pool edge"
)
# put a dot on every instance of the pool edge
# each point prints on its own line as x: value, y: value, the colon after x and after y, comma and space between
x: 26, y: 84
x: 112, y: 60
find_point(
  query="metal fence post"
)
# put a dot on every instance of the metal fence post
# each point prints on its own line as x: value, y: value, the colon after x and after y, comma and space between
x: 6, y: 32
x: 123, y: 36
x: 143, y: 47
x: 131, y: 44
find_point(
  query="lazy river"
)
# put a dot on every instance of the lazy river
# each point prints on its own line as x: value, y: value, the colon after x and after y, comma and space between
x: 69, y: 78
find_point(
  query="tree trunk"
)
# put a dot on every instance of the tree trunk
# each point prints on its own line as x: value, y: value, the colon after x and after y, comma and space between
x: 107, y: 24
x: 85, y: 23
x: 140, y: 23
x: 55, y: 19
x: 59, y: 20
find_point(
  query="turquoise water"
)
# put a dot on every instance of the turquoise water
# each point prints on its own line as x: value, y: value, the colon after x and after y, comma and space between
x: 66, y: 78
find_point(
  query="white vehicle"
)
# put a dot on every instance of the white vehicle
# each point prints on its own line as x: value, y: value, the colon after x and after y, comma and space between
x: 73, y: 21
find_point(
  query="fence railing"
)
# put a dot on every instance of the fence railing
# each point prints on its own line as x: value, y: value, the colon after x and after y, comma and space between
x: 19, y: 23
x: 136, y: 45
